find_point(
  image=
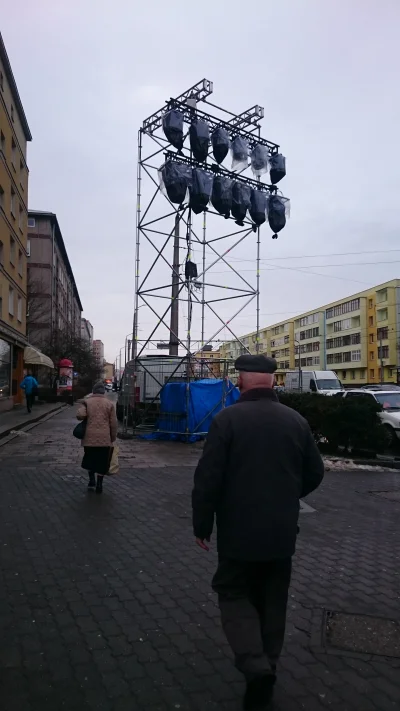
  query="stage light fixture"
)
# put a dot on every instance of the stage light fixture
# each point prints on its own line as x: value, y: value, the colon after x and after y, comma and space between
x: 221, y: 196
x: 258, y: 207
x: 200, y: 190
x: 173, y: 128
x: 240, y: 153
x: 277, y: 164
x: 199, y: 134
x: 175, y: 180
x: 259, y: 158
x: 240, y: 202
x: 220, y: 143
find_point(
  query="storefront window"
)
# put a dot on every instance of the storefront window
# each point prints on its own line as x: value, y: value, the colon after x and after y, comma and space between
x: 5, y: 368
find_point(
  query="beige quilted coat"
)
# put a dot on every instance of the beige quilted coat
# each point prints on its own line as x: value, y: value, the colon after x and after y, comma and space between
x: 101, y: 429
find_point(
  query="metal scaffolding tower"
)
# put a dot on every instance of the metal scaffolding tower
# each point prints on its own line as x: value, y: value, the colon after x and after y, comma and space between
x: 189, y: 299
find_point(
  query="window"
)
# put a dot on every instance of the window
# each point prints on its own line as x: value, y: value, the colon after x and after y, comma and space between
x: 31, y: 222
x: 383, y: 333
x: 381, y: 315
x: 353, y: 374
x: 20, y: 263
x: 1, y: 197
x: 370, y: 303
x: 372, y: 374
x: 1, y: 81
x: 12, y: 251
x: 383, y: 352
x: 19, y: 309
x: 316, y: 360
x: 371, y: 337
x: 1, y: 254
x: 12, y: 203
x: 21, y: 219
x: 371, y: 355
x: 28, y: 248
x: 13, y: 153
x: 12, y: 113
x: 345, y: 308
x: 2, y: 142
x: 356, y: 355
x: 344, y: 374
x: 11, y: 301
x: 370, y: 321
x: 347, y: 357
x: 381, y: 296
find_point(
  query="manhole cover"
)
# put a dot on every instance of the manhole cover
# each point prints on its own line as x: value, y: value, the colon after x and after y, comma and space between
x: 363, y: 634
x: 389, y: 495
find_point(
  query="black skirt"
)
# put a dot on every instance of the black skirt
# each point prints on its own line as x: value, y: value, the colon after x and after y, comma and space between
x: 97, y: 459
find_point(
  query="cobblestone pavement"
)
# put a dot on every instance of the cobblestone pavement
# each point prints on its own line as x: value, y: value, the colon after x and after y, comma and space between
x: 105, y: 602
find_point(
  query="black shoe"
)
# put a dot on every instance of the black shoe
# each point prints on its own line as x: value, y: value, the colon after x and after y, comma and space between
x: 259, y: 693
x: 99, y: 488
x: 92, y: 483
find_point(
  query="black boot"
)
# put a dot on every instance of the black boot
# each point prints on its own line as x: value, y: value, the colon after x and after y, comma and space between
x: 92, y: 480
x: 99, y: 487
x: 259, y: 693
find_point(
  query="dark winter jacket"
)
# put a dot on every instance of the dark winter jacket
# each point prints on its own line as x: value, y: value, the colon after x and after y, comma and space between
x: 259, y: 459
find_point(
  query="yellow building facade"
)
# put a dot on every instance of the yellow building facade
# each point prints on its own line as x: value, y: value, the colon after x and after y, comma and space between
x: 14, y: 136
x: 358, y: 337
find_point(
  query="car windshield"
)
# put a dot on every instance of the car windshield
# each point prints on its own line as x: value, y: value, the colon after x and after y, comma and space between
x: 389, y: 401
x: 333, y: 384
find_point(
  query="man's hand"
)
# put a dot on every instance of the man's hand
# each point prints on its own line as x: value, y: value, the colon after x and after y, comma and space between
x: 201, y: 544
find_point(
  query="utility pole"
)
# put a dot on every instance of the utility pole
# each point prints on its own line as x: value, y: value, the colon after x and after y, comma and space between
x: 300, y: 373
x: 381, y: 355
x: 174, y: 322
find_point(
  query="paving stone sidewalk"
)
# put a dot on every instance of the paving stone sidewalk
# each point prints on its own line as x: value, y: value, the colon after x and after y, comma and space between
x: 105, y: 602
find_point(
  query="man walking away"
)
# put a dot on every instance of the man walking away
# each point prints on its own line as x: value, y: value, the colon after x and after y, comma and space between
x: 259, y: 459
x: 30, y: 385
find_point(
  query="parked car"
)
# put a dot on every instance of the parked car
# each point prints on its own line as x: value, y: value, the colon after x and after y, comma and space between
x: 380, y: 387
x: 323, y: 382
x: 390, y: 415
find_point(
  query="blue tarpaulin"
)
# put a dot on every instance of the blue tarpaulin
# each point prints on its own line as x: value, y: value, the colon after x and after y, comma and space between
x: 205, y: 401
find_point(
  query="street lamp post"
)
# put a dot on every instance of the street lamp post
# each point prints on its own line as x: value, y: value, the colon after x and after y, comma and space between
x: 300, y: 372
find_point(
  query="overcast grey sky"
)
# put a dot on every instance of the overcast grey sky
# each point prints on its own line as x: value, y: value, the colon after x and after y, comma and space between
x: 326, y: 71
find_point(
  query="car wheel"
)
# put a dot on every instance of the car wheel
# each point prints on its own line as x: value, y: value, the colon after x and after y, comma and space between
x: 391, y: 438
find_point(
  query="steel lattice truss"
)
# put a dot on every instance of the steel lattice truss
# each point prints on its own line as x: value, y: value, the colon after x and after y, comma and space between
x: 207, y: 236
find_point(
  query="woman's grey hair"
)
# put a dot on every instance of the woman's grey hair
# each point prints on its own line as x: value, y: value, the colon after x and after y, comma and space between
x: 98, y: 388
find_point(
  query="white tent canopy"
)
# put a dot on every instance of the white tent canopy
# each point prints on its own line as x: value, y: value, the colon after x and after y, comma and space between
x: 32, y: 356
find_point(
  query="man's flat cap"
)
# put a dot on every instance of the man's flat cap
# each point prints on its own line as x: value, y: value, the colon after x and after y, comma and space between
x: 256, y: 364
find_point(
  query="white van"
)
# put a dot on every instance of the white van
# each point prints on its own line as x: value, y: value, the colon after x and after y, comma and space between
x: 323, y: 382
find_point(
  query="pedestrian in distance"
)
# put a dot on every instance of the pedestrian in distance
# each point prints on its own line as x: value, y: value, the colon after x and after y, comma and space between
x: 259, y: 460
x: 30, y: 386
x: 100, y: 435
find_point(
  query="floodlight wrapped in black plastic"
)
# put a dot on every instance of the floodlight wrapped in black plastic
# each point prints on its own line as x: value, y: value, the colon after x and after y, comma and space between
x: 221, y: 196
x: 277, y: 170
x: 200, y: 190
x: 175, y: 180
x: 240, y: 201
x: 240, y: 153
x: 173, y: 128
x: 277, y: 209
x: 220, y: 143
x: 199, y: 134
x: 258, y: 207
x: 190, y: 270
x: 259, y: 158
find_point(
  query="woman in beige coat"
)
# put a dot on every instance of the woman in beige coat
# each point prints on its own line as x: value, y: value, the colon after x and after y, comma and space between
x: 100, y: 435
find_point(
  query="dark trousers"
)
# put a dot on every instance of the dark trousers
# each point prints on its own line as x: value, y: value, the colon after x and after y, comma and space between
x: 29, y: 401
x: 253, y: 600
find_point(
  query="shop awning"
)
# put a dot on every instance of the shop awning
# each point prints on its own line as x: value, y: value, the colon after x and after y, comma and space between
x: 32, y: 356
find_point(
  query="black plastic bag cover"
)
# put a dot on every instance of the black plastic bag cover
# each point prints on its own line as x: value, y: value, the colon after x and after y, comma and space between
x: 277, y: 167
x: 221, y: 197
x: 177, y: 179
x: 221, y: 143
x: 259, y: 159
x: 240, y: 153
x: 276, y: 213
x: 200, y: 191
x: 258, y: 207
x: 173, y: 128
x: 199, y: 134
x: 240, y: 201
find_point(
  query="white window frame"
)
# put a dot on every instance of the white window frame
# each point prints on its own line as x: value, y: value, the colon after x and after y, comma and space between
x: 11, y: 301
x: 19, y: 309
x: 31, y: 222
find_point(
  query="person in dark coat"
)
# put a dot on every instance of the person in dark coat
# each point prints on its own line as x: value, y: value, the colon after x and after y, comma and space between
x: 259, y: 460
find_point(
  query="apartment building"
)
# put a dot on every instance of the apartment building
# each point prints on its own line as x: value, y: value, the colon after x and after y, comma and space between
x: 358, y: 337
x: 14, y: 137
x: 54, y: 306
x: 98, y: 351
x: 206, y: 363
x: 87, y: 332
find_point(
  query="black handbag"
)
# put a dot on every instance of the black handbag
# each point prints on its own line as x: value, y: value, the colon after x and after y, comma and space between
x: 79, y: 430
